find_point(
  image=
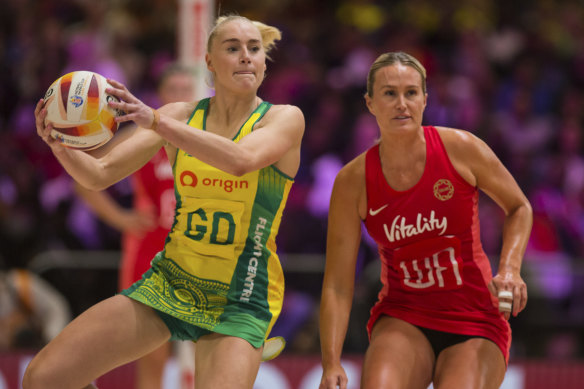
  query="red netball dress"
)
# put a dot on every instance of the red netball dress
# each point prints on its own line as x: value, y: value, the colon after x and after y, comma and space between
x: 433, y: 268
x: 153, y: 192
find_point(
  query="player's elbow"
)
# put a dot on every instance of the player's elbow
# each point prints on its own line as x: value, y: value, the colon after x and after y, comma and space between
x: 97, y: 182
x: 522, y: 210
x: 239, y: 169
x: 527, y: 209
x: 243, y: 163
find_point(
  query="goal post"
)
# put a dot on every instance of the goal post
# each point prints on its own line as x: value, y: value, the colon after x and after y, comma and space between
x: 195, y: 19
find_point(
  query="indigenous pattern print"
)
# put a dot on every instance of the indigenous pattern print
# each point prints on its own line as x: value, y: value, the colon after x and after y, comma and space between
x: 219, y: 268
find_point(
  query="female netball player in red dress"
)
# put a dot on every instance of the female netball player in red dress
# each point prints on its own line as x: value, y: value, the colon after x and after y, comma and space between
x: 441, y: 316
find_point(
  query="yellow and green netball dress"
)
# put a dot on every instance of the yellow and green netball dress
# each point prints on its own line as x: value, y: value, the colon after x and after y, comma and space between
x: 219, y: 271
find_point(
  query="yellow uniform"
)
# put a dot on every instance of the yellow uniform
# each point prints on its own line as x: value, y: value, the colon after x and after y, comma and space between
x: 219, y: 271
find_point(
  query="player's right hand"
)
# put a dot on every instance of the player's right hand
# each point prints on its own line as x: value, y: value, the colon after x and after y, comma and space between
x: 333, y: 378
x: 40, y: 113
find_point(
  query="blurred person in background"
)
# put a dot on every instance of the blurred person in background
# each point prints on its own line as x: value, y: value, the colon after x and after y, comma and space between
x: 218, y: 280
x: 441, y: 316
x: 147, y: 224
x: 32, y: 311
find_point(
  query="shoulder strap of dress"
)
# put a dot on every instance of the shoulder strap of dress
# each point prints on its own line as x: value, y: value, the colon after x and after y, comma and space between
x: 199, y: 115
x: 255, y: 116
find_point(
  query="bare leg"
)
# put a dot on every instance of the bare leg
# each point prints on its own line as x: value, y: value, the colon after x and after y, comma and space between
x: 150, y: 368
x: 109, y: 334
x: 477, y: 363
x: 399, y: 356
x: 225, y: 362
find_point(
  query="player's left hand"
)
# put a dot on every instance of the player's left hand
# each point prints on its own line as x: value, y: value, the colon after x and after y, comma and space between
x: 134, y: 109
x: 511, y: 291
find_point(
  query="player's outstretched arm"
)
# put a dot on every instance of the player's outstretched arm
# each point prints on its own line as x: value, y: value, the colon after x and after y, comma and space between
x: 125, y: 153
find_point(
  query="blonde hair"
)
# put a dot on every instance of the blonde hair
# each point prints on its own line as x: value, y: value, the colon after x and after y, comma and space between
x: 392, y: 58
x: 269, y: 34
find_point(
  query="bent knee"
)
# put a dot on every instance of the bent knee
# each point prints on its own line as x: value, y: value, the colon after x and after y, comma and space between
x: 476, y: 363
x: 37, y: 376
x: 29, y: 380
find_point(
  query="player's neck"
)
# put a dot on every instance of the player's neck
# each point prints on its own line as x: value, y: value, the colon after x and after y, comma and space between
x: 226, y: 110
x: 402, y: 145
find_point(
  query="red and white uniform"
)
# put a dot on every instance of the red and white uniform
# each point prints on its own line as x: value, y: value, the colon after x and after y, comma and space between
x: 434, y: 270
x: 154, y: 193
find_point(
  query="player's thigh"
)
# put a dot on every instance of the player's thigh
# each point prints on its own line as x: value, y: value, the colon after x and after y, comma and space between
x: 225, y: 362
x: 150, y: 368
x: 398, y: 356
x: 476, y: 363
x: 109, y: 334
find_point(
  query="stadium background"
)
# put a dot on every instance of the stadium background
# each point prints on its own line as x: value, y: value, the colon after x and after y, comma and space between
x: 510, y: 72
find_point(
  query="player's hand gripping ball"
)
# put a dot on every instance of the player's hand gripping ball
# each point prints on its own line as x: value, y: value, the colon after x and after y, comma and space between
x: 77, y: 105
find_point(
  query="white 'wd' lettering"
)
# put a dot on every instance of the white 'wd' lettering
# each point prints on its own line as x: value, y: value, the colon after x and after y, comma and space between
x: 433, y: 271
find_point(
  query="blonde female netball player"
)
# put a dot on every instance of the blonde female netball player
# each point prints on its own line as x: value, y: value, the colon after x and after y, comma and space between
x: 218, y: 280
x: 441, y: 316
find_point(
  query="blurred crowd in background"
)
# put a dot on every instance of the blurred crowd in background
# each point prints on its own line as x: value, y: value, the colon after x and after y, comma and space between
x: 510, y: 72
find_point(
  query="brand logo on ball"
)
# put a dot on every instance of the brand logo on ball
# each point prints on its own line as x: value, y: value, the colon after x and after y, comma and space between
x: 443, y: 190
x: 83, y: 122
x: 76, y: 100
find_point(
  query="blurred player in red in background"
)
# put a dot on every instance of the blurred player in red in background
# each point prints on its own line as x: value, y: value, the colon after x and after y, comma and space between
x: 441, y: 316
x: 147, y: 224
